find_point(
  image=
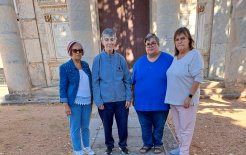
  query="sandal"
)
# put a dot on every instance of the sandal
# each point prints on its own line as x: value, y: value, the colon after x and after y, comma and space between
x: 158, y: 149
x: 144, y: 149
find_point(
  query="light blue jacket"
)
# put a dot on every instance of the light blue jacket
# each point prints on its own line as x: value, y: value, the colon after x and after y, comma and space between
x: 110, y: 78
x: 69, y: 81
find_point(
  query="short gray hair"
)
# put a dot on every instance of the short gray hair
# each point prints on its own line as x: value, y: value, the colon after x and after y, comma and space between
x: 151, y: 35
x: 108, y: 31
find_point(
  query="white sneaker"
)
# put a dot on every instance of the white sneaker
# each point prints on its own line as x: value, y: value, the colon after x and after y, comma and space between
x: 88, y: 151
x: 78, y: 152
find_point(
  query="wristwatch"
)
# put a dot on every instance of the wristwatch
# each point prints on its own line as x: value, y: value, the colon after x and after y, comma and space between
x: 190, y: 95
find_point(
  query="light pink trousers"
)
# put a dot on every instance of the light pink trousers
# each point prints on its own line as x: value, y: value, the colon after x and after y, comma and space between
x: 184, y: 123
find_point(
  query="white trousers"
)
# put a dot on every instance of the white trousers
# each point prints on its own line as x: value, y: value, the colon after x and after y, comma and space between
x: 184, y: 123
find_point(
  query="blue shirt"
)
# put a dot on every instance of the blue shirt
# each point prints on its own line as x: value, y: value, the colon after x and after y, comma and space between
x: 150, y: 83
x: 111, y: 78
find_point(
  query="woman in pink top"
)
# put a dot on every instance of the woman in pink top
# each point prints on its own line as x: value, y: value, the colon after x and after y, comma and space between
x: 183, y: 80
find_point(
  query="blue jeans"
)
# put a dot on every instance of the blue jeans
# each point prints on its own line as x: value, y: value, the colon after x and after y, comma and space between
x: 79, y: 123
x: 121, y: 116
x: 152, y: 126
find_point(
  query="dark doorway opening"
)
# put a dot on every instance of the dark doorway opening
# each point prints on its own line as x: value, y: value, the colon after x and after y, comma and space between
x: 130, y: 20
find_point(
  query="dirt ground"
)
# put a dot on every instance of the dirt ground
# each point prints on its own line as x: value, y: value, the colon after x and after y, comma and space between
x: 220, y: 128
x: 43, y: 129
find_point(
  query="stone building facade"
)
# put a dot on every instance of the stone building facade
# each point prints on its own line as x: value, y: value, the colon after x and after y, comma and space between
x: 34, y: 35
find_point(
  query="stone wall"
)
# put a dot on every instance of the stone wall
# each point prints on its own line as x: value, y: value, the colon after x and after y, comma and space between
x: 54, y: 32
x: 31, y: 41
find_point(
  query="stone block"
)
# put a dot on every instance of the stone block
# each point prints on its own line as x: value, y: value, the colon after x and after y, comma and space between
x: 37, y: 74
x: 236, y: 66
x: 41, y: 28
x: 54, y: 75
x: 39, y: 12
x: 39, y: 15
x: 220, y: 29
x: 9, y: 24
x: 33, y: 50
x: 25, y: 9
x: 241, y: 27
x: 62, y: 36
x: 80, y: 12
x: 217, y: 61
x: 221, y: 22
x: 1, y: 63
x: 167, y: 6
x: 29, y: 29
x: 44, y: 46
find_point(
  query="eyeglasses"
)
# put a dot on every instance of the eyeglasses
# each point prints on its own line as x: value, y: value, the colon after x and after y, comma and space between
x: 151, y: 44
x: 77, y: 50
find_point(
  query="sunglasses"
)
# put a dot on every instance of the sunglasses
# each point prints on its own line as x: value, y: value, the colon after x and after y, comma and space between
x: 77, y: 50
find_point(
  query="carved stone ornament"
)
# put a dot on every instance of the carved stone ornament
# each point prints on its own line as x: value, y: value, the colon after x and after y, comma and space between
x: 44, y: 4
x: 48, y: 18
x: 201, y: 6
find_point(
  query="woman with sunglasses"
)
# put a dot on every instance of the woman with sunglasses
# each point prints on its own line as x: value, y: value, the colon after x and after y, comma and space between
x: 76, y: 95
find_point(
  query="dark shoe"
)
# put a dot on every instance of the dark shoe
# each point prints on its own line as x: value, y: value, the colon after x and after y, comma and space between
x: 158, y: 149
x: 108, y: 151
x: 144, y: 149
x: 124, y: 150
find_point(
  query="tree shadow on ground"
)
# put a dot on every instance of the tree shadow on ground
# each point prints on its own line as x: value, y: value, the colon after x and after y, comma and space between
x: 220, y: 128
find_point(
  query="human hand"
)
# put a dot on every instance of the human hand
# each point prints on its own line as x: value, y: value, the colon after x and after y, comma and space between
x: 128, y: 104
x: 101, y: 107
x: 187, y: 102
x: 67, y: 109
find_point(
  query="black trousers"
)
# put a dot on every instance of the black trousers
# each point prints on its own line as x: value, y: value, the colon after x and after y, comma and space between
x: 120, y: 112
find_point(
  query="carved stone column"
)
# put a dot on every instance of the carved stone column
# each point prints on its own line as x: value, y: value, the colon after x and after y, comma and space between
x: 219, y: 39
x: 82, y: 19
x: 12, y: 53
x: 235, y: 66
x: 165, y: 21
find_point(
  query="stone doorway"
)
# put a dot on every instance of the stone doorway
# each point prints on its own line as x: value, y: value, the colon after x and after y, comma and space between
x: 130, y: 19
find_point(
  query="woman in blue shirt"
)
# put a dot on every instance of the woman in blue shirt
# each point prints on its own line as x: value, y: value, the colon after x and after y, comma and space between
x: 150, y: 81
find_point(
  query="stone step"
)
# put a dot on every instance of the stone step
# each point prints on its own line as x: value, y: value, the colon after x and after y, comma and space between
x: 216, y: 89
x: 209, y: 91
x: 212, y: 84
x: 225, y: 96
x: 50, y: 92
